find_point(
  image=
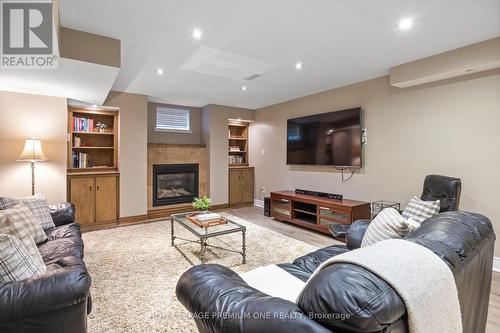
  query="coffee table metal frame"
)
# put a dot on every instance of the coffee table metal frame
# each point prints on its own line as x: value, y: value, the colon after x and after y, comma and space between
x: 204, y: 237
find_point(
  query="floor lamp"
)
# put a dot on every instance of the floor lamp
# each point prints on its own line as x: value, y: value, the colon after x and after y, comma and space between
x: 32, y: 153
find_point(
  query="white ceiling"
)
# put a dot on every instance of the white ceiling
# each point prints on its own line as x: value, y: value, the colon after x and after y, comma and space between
x: 83, y: 81
x: 338, y: 41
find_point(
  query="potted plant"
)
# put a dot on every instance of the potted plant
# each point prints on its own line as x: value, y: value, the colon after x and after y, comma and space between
x: 202, y: 205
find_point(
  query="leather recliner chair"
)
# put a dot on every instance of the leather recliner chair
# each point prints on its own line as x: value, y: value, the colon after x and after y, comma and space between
x: 436, y: 187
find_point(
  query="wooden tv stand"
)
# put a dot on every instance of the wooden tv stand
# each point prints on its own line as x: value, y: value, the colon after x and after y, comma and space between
x: 316, y: 212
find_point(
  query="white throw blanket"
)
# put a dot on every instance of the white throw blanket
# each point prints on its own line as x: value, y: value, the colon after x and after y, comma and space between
x: 420, y: 277
x: 274, y: 281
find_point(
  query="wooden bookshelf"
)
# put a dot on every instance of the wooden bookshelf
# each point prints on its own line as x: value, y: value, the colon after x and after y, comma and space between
x: 238, y: 137
x: 99, y: 145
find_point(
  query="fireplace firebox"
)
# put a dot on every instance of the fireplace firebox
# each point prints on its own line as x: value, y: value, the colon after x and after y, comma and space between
x: 174, y: 183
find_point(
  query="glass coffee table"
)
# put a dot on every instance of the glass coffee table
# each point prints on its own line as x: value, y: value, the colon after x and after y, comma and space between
x: 203, y: 234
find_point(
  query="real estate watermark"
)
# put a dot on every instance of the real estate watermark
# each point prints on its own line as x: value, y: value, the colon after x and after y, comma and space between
x: 28, y: 35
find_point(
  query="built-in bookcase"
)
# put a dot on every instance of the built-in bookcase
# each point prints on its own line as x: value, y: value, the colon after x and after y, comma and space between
x: 93, y: 140
x: 238, y: 143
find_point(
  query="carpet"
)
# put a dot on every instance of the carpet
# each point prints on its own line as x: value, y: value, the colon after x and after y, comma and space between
x: 135, y: 270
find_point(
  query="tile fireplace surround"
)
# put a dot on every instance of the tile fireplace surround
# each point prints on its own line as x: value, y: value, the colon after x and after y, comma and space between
x: 176, y: 154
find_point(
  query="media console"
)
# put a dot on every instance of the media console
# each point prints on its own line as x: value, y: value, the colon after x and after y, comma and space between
x: 316, y: 212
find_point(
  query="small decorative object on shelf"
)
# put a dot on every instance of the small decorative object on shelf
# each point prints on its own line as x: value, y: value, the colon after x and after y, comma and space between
x: 202, y: 204
x: 380, y: 205
x: 101, y: 127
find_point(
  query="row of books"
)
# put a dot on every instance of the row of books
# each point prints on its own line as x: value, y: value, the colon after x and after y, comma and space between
x: 80, y: 160
x: 236, y: 159
x: 83, y: 124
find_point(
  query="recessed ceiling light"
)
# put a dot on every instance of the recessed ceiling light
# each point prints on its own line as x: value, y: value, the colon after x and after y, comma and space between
x: 298, y: 66
x: 94, y: 106
x: 159, y: 71
x: 244, y: 88
x: 405, y: 23
x: 197, y: 33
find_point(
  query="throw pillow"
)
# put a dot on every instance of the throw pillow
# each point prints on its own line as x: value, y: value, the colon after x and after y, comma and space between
x: 22, y: 216
x: 419, y: 210
x: 38, y: 206
x: 16, y: 263
x: 388, y: 224
x: 21, y: 233
x: 6, y: 202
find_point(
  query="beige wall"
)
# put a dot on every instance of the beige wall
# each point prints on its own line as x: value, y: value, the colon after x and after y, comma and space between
x: 172, y: 137
x: 133, y: 151
x: 214, y: 135
x: 450, y: 128
x: 23, y: 116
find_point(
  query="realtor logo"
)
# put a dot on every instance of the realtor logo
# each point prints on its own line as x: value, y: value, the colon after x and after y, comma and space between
x: 27, y: 36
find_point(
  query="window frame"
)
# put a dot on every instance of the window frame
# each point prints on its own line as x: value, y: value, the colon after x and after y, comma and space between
x: 173, y: 130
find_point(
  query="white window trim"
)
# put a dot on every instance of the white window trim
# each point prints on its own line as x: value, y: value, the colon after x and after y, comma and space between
x: 186, y: 131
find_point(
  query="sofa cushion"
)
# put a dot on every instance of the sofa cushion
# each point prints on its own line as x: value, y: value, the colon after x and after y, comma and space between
x: 20, y: 232
x: 64, y: 241
x: 38, y: 206
x: 16, y: 263
x: 71, y: 230
x: 311, y: 261
x: 389, y: 224
x: 22, y: 216
x: 420, y: 210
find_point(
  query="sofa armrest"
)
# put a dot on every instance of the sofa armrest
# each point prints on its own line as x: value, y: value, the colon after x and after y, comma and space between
x: 62, y: 213
x: 355, y: 233
x: 220, y: 301
x: 59, y: 287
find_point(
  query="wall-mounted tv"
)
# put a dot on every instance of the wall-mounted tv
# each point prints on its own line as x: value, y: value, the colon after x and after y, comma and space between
x: 332, y: 138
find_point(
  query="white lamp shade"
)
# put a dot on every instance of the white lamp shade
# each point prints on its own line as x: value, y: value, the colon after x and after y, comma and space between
x: 32, y: 151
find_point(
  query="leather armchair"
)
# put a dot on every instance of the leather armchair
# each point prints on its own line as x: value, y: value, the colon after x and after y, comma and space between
x: 58, y: 300
x: 445, y: 189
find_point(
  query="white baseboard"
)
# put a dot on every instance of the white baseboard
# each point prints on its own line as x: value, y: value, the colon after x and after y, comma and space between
x: 258, y: 203
x: 496, y: 264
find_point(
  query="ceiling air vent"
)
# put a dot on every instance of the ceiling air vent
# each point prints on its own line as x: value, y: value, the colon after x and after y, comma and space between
x: 252, y: 77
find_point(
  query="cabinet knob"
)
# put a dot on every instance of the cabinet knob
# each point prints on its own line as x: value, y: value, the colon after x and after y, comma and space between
x: 90, y: 188
x: 97, y: 188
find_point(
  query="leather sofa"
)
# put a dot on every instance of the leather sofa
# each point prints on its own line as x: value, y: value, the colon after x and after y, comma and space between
x: 346, y: 297
x: 58, y: 300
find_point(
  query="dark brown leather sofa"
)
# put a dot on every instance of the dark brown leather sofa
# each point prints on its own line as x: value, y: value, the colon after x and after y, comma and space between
x: 57, y: 301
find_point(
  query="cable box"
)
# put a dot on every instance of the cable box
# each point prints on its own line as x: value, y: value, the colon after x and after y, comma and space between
x: 320, y: 194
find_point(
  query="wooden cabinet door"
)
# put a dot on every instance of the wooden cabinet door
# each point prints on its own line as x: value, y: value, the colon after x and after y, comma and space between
x: 247, y: 185
x: 105, y: 198
x: 234, y: 187
x: 82, y: 195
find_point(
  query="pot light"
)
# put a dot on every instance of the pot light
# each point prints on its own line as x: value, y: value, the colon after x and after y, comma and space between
x: 159, y: 71
x: 298, y: 66
x: 94, y: 106
x: 244, y: 88
x: 197, y: 33
x: 405, y: 23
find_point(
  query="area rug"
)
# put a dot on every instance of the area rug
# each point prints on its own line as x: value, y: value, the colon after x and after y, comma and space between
x: 135, y: 270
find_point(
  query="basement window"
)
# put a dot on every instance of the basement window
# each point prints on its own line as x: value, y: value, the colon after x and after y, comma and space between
x: 171, y: 119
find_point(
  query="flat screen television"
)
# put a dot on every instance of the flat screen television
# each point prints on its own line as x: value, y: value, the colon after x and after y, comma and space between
x: 332, y: 138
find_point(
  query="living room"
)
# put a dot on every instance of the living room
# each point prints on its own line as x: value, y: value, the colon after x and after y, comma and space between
x: 233, y: 166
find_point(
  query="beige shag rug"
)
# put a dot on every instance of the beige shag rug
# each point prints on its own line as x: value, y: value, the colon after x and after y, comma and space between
x: 135, y: 270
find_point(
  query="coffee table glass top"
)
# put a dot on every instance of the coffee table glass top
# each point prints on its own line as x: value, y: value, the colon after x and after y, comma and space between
x: 220, y: 229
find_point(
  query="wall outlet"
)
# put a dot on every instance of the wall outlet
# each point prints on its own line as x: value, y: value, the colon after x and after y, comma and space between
x: 262, y: 152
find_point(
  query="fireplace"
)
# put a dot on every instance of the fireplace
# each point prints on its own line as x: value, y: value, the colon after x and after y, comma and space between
x: 174, y: 183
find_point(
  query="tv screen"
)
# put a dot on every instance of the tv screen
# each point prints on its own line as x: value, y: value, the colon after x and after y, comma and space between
x: 332, y: 138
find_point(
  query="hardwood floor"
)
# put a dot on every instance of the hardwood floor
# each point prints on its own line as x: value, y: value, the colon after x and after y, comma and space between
x: 255, y: 215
